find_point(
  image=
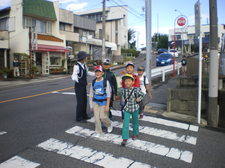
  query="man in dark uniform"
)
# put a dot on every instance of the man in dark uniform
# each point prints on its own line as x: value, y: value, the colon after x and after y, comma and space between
x: 80, y: 72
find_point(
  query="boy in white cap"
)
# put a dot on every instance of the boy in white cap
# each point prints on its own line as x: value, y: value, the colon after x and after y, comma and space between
x: 110, y: 76
x: 100, y: 94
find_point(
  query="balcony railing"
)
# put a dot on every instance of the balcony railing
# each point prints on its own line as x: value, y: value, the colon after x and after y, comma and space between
x: 4, y: 39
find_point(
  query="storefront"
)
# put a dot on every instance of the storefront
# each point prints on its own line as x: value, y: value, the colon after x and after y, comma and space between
x: 50, y: 59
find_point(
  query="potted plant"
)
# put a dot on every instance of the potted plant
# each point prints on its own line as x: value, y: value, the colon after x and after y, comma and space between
x: 5, y: 72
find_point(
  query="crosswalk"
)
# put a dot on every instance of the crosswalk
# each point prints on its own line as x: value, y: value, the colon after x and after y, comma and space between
x: 104, y: 158
x: 3, y: 132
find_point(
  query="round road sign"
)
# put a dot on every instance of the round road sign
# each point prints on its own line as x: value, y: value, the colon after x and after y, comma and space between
x: 181, y: 21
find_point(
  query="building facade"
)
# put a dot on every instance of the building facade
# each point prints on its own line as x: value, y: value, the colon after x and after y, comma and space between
x: 186, y: 37
x: 116, y: 27
x: 35, y: 32
x: 40, y: 34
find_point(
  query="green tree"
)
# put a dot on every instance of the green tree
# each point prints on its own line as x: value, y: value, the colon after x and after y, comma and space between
x: 131, y: 38
x: 161, y: 40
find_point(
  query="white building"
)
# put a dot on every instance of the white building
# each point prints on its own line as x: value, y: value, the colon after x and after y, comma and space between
x: 116, y: 28
x: 80, y: 34
x: 187, y: 37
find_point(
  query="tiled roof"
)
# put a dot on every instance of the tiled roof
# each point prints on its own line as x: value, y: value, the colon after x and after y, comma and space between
x: 39, y: 8
x: 48, y: 38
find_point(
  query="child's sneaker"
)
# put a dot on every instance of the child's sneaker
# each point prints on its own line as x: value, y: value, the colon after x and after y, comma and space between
x: 110, y: 128
x: 141, y: 116
x: 124, y: 142
x: 134, y: 137
x: 99, y: 135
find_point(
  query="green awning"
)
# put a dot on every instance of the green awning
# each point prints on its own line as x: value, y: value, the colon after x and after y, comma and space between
x: 40, y: 9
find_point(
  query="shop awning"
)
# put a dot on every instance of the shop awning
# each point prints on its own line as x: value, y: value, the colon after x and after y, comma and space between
x: 50, y: 48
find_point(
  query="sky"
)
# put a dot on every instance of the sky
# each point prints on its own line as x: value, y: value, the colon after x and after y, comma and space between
x: 163, y: 12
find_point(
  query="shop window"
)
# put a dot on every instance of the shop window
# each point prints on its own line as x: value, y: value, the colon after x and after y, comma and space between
x: 55, y: 59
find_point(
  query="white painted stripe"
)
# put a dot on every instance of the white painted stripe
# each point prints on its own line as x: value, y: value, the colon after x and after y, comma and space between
x: 194, y: 128
x: 89, y: 155
x: 137, y: 144
x: 68, y: 93
x: 158, y: 133
x: 163, y: 122
x: 18, y: 162
x: 3, y: 132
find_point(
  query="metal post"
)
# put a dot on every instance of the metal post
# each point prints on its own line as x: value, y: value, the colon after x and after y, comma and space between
x: 103, y: 30
x: 148, y: 15
x: 200, y: 76
x: 213, y: 113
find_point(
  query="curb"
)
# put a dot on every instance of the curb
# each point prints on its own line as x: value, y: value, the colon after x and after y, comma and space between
x: 31, y: 81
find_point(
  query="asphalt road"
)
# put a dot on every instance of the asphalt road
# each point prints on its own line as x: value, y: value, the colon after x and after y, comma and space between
x: 40, y: 116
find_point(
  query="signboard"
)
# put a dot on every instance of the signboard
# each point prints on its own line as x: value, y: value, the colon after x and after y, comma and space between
x: 181, y: 21
x: 197, y: 18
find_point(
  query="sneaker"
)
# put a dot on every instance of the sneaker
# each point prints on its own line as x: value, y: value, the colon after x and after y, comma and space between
x: 110, y: 128
x: 124, y: 142
x: 97, y: 135
x: 134, y: 137
x: 141, y: 116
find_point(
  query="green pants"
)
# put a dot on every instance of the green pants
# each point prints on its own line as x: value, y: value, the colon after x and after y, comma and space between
x: 126, y: 123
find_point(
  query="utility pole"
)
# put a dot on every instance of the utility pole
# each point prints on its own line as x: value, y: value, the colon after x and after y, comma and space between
x: 198, y: 33
x: 213, y: 110
x: 103, y: 30
x: 148, y: 15
x: 30, y: 54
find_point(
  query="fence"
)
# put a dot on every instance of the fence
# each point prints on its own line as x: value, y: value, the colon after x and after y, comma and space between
x: 161, y: 71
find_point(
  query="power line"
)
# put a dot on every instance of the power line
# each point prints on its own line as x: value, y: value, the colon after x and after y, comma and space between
x: 138, y: 16
x: 130, y: 8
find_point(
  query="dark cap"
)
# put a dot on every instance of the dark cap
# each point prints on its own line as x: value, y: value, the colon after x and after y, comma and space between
x: 141, y: 68
x: 81, y: 55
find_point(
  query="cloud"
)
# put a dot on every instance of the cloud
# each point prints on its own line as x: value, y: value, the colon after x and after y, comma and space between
x: 75, y: 7
x: 4, y: 3
x: 64, y: 1
x: 205, y: 19
x: 67, y: 1
x: 140, y: 32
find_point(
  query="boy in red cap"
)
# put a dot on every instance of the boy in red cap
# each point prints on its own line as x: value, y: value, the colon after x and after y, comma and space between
x: 136, y: 82
x: 100, y: 94
x: 130, y: 70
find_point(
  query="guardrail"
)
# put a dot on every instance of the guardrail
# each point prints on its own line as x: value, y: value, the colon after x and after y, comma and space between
x: 159, y: 71
x: 165, y: 69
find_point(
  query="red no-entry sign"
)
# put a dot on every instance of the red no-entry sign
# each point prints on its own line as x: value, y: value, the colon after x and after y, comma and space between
x: 181, y: 21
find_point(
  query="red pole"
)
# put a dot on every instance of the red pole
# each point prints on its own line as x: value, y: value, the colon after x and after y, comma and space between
x: 174, y: 58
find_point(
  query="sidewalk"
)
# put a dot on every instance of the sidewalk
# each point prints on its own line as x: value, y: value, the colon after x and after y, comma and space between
x: 158, y: 104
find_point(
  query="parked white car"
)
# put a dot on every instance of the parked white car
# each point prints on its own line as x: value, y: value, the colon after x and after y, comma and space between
x: 173, y: 52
